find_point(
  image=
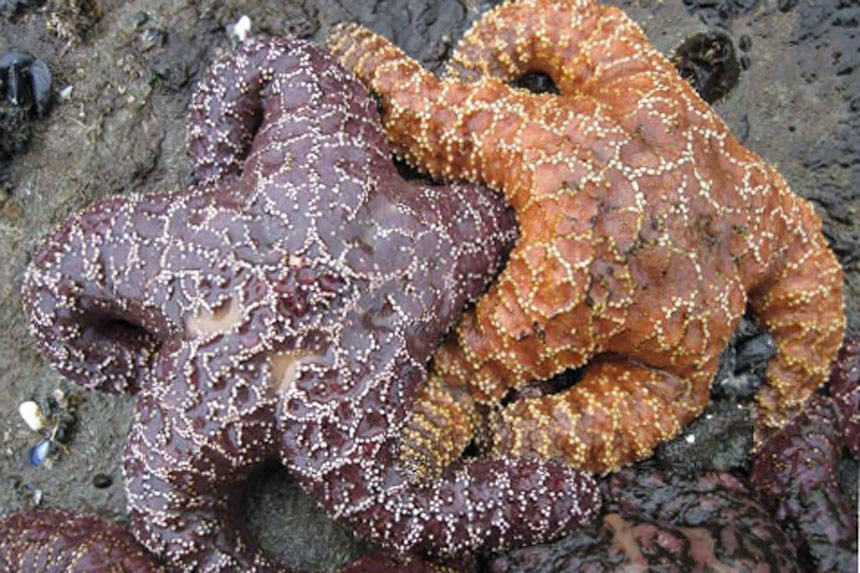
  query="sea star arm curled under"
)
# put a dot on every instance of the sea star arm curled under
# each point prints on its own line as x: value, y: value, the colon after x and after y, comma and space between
x: 85, y: 295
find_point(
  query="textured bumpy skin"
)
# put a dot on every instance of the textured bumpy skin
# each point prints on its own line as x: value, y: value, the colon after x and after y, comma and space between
x: 646, y: 229
x: 382, y: 560
x: 286, y: 306
x: 662, y: 521
x: 55, y: 540
x: 845, y: 391
x: 795, y: 471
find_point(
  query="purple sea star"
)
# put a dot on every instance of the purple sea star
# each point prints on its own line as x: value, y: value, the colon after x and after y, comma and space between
x: 659, y: 520
x: 55, y: 540
x: 286, y: 306
x: 795, y: 472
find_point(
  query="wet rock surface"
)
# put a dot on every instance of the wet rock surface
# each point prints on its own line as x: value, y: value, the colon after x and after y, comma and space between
x: 120, y: 127
x: 718, y: 440
x: 284, y: 518
x: 743, y: 362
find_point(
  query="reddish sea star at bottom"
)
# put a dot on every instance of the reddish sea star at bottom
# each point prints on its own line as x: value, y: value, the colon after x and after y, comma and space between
x: 53, y: 540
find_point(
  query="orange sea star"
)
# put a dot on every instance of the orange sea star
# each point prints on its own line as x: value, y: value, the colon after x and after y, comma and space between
x: 646, y: 229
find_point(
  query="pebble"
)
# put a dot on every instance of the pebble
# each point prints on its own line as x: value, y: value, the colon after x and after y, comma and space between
x: 32, y: 415
x: 102, y: 481
x: 241, y: 29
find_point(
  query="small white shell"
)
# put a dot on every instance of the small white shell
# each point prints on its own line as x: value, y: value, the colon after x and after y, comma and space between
x: 59, y: 396
x: 241, y: 29
x: 32, y: 415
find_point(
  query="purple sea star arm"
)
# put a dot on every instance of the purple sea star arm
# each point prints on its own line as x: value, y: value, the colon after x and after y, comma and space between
x: 476, y: 505
x: 845, y: 389
x: 86, y: 293
x: 55, y: 540
x: 224, y: 112
x: 795, y: 474
x: 188, y: 455
x: 297, y: 89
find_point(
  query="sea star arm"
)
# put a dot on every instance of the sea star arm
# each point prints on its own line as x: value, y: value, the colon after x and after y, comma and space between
x: 479, y: 506
x: 795, y: 473
x: 298, y: 91
x: 586, y: 48
x: 55, y: 540
x: 845, y: 389
x: 801, y: 305
x: 187, y: 459
x: 533, y: 36
x: 618, y: 412
x: 85, y: 292
x: 404, y: 87
x: 440, y: 427
x: 476, y: 505
x: 223, y: 116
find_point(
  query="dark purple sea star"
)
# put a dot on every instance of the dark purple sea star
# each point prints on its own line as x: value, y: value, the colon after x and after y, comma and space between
x: 659, y: 520
x: 55, y: 540
x: 845, y: 390
x: 286, y: 306
x: 795, y: 471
